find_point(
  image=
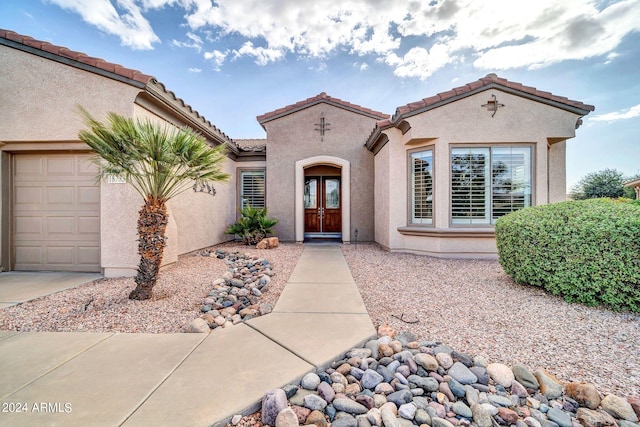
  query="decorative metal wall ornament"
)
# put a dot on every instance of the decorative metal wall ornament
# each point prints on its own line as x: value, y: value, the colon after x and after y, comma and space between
x: 493, y: 105
x: 322, y: 127
x: 204, y: 188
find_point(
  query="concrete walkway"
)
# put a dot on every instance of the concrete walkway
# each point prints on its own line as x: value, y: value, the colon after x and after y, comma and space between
x: 19, y: 286
x: 111, y: 379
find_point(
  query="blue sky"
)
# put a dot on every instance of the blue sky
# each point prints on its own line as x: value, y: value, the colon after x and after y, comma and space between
x: 235, y: 59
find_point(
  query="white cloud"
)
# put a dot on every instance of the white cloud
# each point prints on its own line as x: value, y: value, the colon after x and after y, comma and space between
x: 217, y: 57
x: 630, y: 113
x: 126, y: 21
x: 195, y: 70
x: 194, y: 42
x: 262, y: 55
x: 500, y: 34
x: 415, y: 38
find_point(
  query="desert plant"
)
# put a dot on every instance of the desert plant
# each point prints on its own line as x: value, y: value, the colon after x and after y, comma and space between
x: 159, y: 162
x: 586, y: 251
x: 253, y: 225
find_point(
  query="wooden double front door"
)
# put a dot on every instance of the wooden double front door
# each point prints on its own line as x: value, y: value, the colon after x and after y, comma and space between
x: 322, y: 205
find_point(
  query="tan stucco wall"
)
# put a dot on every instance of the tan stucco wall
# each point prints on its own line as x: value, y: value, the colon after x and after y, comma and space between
x: 43, y: 95
x: 381, y: 196
x: 292, y: 138
x: 557, y: 172
x: 520, y: 121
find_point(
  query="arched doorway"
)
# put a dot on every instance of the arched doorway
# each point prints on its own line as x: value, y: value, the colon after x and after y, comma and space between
x: 322, y: 198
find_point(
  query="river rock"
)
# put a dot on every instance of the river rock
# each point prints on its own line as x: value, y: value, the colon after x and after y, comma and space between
x: 508, y: 415
x: 444, y: 360
x: 400, y: 397
x: 370, y: 379
x: 524, y: 376
x: 559, y: 417
x: 287, y: 418
x: 326, y: 392
x: 386, y: 330
x: 619, y: 408
x: 550, y: 386
x: 427, y: 361
x: 481, y: 416
x: 316, y: 418
x: 314, y: 402
x: 350, y: 406
x: 344, y: 420
x: 388, y: 413
x: 501, y: 374
x: 591, y: 418
x: 440, y: 422
x: 302, y: 413
x: 197, y: 325
x: 462, y: 374
x: 461, y: 409
x: 584, y: 393
x: 427, y: 383
x: 273, y: 402
x: 407, y: 411
x: 310, y: 381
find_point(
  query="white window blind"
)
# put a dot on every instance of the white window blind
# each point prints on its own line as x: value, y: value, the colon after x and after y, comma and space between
x: 470, y: 186
x: 252, y: 188
x: 487, y: 183
x: 422, y: 187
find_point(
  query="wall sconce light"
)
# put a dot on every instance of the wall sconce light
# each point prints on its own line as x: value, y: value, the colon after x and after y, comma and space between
x: 204, y: 188
x: 493, y: 105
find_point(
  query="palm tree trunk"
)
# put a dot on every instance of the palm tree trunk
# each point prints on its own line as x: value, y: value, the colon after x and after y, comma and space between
x: 152, y: 225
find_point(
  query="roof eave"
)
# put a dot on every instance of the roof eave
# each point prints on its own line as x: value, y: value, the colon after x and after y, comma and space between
x: 71, y: 62
x: 192, y: 117
x: 398, y: 118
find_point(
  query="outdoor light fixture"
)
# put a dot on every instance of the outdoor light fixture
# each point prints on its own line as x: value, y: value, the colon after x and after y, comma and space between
x: 492, y: 105
x: 204, y: 188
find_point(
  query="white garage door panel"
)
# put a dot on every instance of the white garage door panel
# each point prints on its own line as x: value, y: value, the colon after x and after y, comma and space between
x: 56, y: 213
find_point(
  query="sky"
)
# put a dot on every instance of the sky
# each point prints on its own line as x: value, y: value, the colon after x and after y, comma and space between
x: 233, y: 60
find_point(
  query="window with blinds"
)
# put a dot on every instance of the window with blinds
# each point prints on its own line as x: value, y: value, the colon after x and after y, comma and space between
x: 252, y: 188
x: 422, y: 187
x: 487, y: 183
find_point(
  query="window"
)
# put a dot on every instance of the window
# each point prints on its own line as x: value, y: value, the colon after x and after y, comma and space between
x: 252, y: 188
x: 487, y: 183
x: 421, y: 168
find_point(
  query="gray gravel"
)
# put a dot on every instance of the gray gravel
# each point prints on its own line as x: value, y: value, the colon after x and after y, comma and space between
x: 104, y: 306
x: 470, y: 305
x: 474, y: 307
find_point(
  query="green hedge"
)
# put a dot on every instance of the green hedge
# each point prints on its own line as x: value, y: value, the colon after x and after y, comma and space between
x: 586, y: 251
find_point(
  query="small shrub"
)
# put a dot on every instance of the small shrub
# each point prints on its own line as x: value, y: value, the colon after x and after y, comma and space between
x: 253, y: 225
x: 586, y: 251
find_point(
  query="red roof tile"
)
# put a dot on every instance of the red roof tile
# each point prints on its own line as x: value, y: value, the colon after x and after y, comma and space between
x: 76, y: 56
x: 322, y: 97
x: 488, y: 80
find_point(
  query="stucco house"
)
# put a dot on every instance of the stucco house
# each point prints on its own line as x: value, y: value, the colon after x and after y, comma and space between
x: 431, y: 179
x: 635, y: 184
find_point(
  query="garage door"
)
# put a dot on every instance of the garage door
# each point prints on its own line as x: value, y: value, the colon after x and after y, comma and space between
x: 56, y: 213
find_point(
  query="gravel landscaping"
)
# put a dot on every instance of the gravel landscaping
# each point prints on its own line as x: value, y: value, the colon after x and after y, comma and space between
x: 104, y: 306
x: 470, y: 305
x: 474, y: 307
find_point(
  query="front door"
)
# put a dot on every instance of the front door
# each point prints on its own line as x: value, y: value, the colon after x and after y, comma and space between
x: 322, y: 207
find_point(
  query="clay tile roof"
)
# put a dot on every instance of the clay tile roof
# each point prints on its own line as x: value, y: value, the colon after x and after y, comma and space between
x: 488, y: 80
x: 251, y: 144
x: 322, y: 97
x: 76, y: 56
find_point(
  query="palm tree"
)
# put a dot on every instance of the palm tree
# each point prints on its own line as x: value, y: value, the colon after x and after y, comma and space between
x: 159, y: 162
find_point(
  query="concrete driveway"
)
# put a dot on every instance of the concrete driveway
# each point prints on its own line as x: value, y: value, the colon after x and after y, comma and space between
x: 19, y: 286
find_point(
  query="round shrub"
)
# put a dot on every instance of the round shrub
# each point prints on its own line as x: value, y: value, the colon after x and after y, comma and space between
x: 586, y: 251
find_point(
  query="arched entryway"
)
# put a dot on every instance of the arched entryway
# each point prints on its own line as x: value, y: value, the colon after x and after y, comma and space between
x: 323, y: 198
